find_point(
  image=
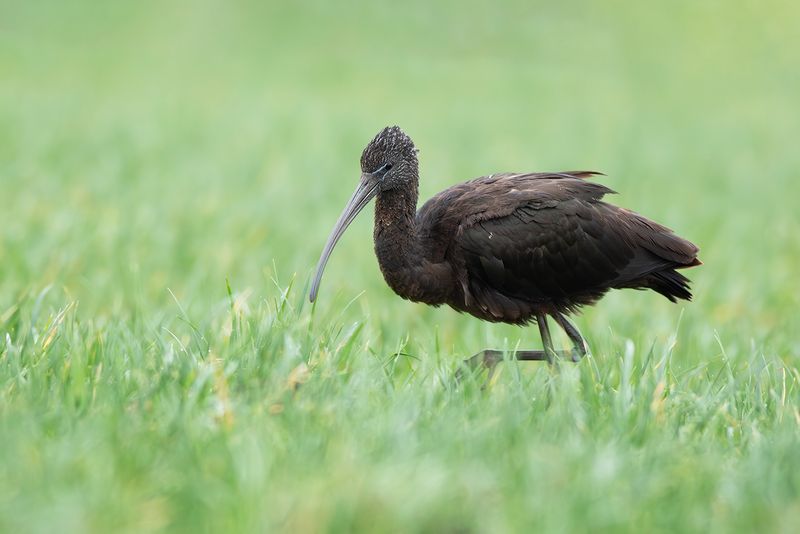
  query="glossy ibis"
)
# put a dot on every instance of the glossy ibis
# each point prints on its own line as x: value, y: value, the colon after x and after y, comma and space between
x: 509, y: 247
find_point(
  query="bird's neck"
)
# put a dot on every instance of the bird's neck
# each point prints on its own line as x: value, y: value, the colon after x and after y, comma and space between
x: 400, y: 251
x: 396, y: 243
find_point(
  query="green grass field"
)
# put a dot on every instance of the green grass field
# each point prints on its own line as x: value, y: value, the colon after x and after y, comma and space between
x: 168, y: 176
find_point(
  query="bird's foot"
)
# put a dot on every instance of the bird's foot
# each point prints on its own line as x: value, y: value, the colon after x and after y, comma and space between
x: 485, y: 359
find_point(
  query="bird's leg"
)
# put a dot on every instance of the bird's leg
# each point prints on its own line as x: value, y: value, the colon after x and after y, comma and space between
x: 579, y: 350
x: 489, y: 358
x: 547, y: 341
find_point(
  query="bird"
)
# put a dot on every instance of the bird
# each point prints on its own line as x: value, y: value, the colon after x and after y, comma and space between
x: 514, y: 248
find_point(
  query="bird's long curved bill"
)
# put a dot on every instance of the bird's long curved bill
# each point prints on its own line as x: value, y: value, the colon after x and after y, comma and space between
x: 365, y: 191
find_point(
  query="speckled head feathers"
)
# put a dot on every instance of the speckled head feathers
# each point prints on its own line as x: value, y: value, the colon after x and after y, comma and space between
x: 390, y: 145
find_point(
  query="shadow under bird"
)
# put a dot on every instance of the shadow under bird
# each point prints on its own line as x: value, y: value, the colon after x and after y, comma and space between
x: 511, y: 247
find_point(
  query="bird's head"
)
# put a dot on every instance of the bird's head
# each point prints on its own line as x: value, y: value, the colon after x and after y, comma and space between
x: 390, y: 159
x: 388, y: 162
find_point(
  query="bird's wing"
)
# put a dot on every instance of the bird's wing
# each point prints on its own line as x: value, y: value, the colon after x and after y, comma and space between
x: 497, y: 195
x: 550, y: 240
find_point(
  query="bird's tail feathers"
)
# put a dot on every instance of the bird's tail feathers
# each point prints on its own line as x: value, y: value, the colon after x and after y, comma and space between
x: 671, y: 284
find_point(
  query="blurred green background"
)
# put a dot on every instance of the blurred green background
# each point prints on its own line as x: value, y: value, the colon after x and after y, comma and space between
x: 150, y: 151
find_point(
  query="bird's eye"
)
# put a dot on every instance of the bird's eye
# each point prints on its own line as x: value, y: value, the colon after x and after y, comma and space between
x: 382, y: 170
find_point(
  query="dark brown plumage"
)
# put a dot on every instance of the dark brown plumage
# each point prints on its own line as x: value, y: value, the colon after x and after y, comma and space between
x: 510, y: 248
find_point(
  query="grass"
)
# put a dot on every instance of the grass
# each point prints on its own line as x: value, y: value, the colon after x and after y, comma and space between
x: 169, y: 172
